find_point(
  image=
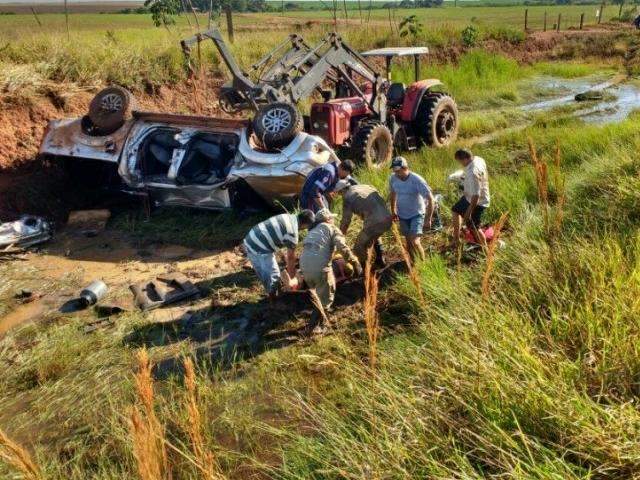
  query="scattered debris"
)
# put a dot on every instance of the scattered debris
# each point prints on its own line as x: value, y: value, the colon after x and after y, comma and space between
x: 23, y: 294
x: 27, y: 231
x: 94, y: 292
x: 89, y: 222
x: 107, y: 310
x: 163, y: 290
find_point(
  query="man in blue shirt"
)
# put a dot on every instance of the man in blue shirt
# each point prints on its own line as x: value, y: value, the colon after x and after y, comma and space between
x: 321, y: 183
x: 412, y: 204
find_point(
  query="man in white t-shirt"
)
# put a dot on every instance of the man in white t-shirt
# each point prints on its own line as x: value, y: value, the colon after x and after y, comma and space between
x: 475, y: 198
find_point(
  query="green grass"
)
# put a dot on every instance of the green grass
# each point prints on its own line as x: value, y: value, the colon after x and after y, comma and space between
x: 533, y: 382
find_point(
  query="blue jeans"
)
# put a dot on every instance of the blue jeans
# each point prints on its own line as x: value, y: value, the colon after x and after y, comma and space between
x: 412, y: 226
x: 266, y: 268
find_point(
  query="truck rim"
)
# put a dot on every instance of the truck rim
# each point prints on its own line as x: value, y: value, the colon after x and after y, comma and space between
x: 276, y: 120
x: 112, y: 103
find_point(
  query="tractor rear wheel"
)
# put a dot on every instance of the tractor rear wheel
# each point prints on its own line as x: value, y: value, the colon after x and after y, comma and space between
x: 436, y: 122
x: 277, y: 124
x: 109, y: 109
x: 372, y: 144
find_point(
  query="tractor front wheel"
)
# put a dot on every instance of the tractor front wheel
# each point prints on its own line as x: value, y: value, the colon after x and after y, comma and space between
x: 436, y: 122
x: 372, y: 144
x: 277, y: 124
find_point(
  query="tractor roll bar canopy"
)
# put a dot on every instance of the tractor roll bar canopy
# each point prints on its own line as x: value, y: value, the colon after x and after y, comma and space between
x: 390, y: 52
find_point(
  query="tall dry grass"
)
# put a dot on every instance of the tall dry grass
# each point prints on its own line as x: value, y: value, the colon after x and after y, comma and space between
x: 552, y: 217
x: 203, y: 456
x: 413, y: 274
x: 371, y: 317
x: 18, y: 458
x: 147, y: 433
x: 491, y: 255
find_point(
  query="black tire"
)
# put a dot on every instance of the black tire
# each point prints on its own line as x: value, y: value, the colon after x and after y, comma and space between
x: 436, y: 122
x: 110, y: 108
x: 372, y: 144
x: 230, y: 101
x: 277, y: 124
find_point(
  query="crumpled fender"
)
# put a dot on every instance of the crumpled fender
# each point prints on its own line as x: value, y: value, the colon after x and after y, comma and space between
x: 302, y: 147
x: 413, y: 96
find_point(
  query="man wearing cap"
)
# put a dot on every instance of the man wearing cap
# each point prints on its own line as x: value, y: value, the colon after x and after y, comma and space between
x: 412, y: 204
x: 317, y: 251
x: 321, y: 183
x: 475, y: 198
x: 365, y: 202
x: 266, y: 238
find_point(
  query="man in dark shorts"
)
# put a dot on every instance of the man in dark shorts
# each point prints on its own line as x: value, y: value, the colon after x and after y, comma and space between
x: 321, y: 183
x: 475, y: 199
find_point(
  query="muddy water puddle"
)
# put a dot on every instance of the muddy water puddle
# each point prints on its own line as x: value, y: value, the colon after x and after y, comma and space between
x: 620, y: 97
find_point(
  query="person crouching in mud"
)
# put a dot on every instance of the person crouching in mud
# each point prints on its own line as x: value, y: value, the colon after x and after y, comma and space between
x: 315, y: 262
x: 266, y: 238
x: 475, y: 199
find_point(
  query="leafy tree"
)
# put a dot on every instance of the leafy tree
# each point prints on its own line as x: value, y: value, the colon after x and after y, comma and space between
x: 470, y: 36
x: 163, y: 11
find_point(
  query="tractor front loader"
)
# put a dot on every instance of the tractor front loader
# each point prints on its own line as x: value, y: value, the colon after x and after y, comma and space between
x: 361, y: 113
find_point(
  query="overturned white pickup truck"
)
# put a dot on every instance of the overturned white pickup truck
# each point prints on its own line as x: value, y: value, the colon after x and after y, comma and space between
x: 179, y: 159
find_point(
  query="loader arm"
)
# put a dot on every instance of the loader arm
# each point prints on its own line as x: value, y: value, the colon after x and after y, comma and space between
x: 240, y: 80
x: 339, y: 58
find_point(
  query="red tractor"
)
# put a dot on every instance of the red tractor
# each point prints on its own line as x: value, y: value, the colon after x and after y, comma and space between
x: 361, y: 113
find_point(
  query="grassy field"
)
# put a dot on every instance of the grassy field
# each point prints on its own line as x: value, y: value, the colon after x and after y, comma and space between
x: 521, y: 364
x: 533, y: 380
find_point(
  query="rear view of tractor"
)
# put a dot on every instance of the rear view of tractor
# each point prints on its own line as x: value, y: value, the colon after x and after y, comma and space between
x: 362, y: 114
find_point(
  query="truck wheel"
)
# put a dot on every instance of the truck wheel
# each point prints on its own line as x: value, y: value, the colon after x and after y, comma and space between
x: 230, y: 101
x: 436, y: 122
x: 372, y: 144
x: 110, y: 108
x: 277, y: 124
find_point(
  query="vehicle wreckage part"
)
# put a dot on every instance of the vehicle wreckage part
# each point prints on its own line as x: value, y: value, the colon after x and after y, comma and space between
x: 109, y: 109
x: 27, y: 231
x: 373, y: 144
x: 277, y: 124
x: 163, y: 291
x: 94, y: 292
x: 437, y: 120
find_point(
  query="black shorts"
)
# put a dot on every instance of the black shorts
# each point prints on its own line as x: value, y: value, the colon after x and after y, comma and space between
x: 461, y: 208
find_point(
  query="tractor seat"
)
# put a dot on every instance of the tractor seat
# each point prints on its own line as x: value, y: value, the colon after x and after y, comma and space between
x: 395, y: 95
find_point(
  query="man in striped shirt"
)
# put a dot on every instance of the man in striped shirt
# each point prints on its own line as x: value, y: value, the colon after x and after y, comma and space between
x: 265, y: 239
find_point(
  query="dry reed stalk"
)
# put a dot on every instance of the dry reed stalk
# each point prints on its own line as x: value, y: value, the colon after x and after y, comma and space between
x: 542, y: 181
x: 491, y: 251
x: 18, y: 458
x: 371, y: 317
x: 204, y: 458
x: 146, y: 431
x: 315, y: 300
x: 559, y: 185
x: 413, y: 275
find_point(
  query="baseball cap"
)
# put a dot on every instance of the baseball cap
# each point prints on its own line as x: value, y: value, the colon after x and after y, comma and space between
x: 341, y: 185
x: 324, y: 215
x: 398, y: 163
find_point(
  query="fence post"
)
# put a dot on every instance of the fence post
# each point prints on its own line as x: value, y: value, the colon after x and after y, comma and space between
x: 581, y: 20
x: 526, y: 19
x: 601, y: 12
x: 545, y: 21
x: 228, y: 13
x: 559, y: 19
